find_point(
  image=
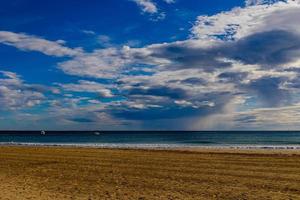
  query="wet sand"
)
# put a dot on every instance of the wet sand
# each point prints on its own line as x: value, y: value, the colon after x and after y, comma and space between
x: 90, y: 173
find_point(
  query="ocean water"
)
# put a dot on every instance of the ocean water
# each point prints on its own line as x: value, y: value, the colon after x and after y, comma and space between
x: 227, y: 139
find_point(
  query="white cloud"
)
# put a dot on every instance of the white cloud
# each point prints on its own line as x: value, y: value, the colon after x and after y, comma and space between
x: 10, y: 75
x: 88, y: 86
x: 260, y: 2
x: 147, y: 6
x: 241, y: 22
x: 104, y: 40
x: 169, y: 1
x: 109, y: 63
x: 89, y: 32
x: 15, y: 94
x: 103, y: 63
x: 32, y: 43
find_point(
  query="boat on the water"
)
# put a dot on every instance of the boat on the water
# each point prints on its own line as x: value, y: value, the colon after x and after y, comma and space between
x: 43, y: 132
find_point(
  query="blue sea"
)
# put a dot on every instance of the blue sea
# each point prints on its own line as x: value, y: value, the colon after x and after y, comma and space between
x: 149, y: 139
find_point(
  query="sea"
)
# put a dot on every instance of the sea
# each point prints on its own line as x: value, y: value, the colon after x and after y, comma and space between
x: 155, y: 139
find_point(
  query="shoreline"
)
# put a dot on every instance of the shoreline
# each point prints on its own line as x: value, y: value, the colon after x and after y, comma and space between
x: 153, y: 146
x: 199, y: 149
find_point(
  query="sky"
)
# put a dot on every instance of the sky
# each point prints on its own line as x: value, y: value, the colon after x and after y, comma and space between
x: 150, y: 65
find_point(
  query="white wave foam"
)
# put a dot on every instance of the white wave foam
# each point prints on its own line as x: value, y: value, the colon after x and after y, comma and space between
x: 154, y: 146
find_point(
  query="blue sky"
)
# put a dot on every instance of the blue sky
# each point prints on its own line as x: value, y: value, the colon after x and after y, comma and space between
x: 150, y: 64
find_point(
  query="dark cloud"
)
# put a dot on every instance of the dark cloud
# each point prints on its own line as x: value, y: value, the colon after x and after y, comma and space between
x: 162, y: 91
x: 194, y: 81
x: 292, y: 69
x: 233, y: 76
x: 82, y: 120
x: 40, y: 88
x: 267, y: 48
x: 293, y: 83
x: 169, y: 110
x: 268, y: 90
x: 166, y: 112
x: 186, y: 57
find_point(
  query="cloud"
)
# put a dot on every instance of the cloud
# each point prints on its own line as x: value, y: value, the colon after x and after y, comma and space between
x: 271, y: 48
x: 82, y: 120
x: 33, y: 43
x: 89, y: 32
x: 269, y: 90
x: 153, y: 108
x: 104, y: 40
x: 260, y: 2
x: 245, y: 58
x: 146, y: 6
x: 103, y: 63
x: 169, y: 1
x: 171, y: 95
x: 264, y: 49
x: 13, y: 76
x: 264, y: 35
x: 149, y: 7
x: 232, y: 76
x: 278, y: 118
x: 175, y: 93
x: 88, y: 86
x: 240, y: 22
x: 15, y: 94
x: 231, y: 54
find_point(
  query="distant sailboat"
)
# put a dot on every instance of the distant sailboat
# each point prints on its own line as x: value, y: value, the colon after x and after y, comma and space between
x: 97, y: 133
x: 43, y: 133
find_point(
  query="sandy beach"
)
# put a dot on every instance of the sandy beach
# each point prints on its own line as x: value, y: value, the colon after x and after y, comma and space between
x: 91, y: 173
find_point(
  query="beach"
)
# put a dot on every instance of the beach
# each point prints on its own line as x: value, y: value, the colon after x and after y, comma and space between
x: 100, y: 173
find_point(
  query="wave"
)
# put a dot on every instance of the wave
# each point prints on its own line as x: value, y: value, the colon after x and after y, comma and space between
x: 154, y: 146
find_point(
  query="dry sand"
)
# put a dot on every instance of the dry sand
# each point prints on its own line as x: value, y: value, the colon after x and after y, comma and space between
x: 83, y: 173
